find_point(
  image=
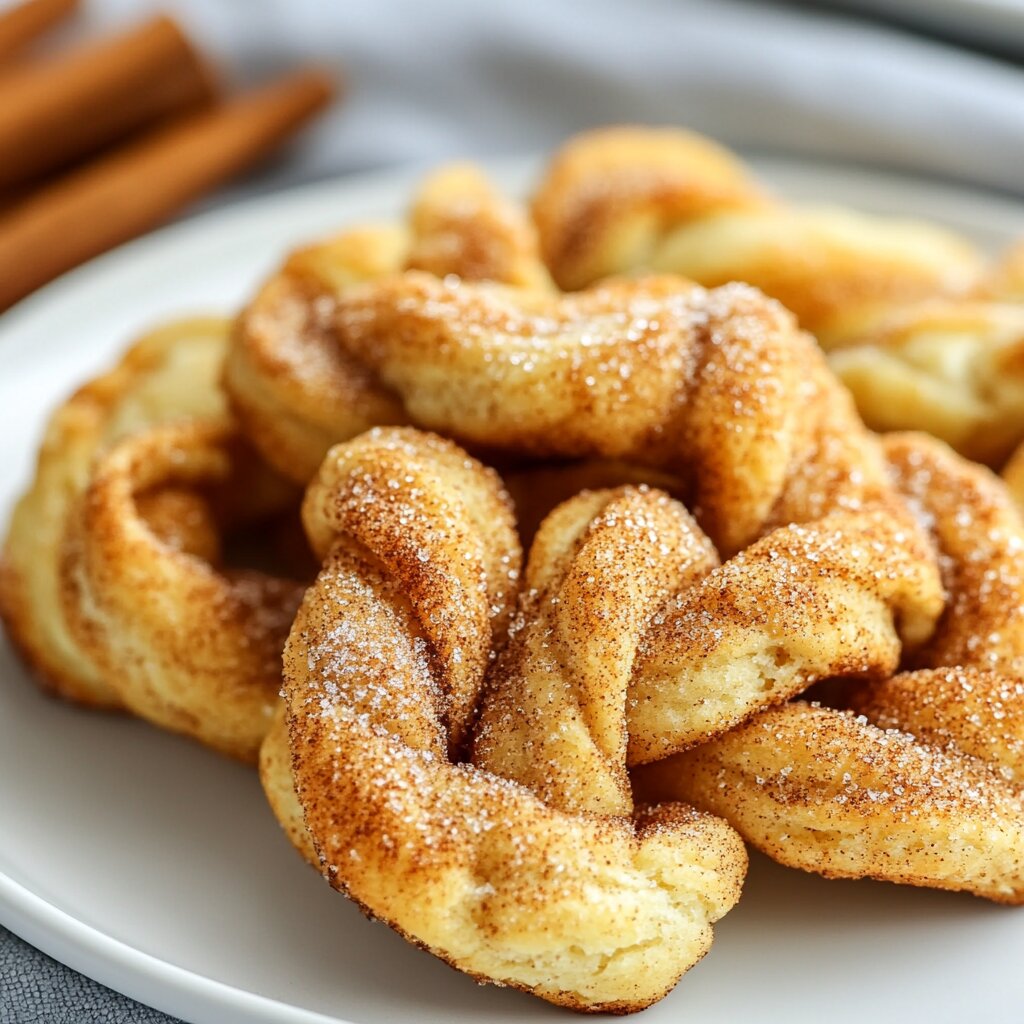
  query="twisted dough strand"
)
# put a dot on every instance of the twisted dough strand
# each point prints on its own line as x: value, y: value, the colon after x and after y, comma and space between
x: 294, y: 391
x: 937, y: 803
x: 183, y: 645
x: 593, y: 912
x: 170, y: 373
x: 623, y: 200
x: 980, y: 539
x: 718, y: 386
x: 826, y: 791
x: 554, y: 716
x: 839, y: 596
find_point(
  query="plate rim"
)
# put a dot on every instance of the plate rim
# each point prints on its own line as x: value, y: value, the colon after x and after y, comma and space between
x: 118, y: 964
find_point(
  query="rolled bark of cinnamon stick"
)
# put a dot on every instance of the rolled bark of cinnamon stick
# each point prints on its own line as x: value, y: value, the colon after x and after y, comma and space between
x: 25, y: 22
x: 58, y: 109
x: 144, y: 183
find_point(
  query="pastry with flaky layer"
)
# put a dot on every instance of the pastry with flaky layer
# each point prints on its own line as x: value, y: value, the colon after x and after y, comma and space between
x: 922, y: 788
x: 169, y: 374
x: 627, y: 200
x: 563, y: 890
x: 293, y: 388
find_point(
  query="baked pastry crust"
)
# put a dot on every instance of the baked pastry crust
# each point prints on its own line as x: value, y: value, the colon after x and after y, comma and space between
x: 170, y: 373
x: 184, y: 645
x: 628, y: 200
x: 383, y: 669
x: 292, y: 387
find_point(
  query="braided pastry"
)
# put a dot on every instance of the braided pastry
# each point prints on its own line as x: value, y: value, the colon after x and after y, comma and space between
x: 953, y: 369
x: 623, y: 200
x: 914, y: 792
x: 170, y: 373
x: 817, y: 788
x: 839, y: 596
x: 980, y: 540
x: 602, y: 566
x: 718, y: 387
x: 190, y: 648
x: 294, y: 391
x: 382, y: 672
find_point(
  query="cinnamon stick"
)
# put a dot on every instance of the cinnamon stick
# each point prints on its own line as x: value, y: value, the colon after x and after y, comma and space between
x: 57, y: 109
x: 25, y: 22
x: 144, y: 183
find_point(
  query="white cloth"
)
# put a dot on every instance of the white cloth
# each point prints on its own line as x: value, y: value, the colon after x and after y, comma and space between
x: 433, y: 79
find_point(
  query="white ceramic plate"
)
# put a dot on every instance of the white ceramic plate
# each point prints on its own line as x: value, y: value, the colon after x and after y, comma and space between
x: 155, y: 867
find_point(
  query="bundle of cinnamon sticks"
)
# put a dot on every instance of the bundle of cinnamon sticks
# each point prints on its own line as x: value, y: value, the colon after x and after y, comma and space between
x: 104, y: 141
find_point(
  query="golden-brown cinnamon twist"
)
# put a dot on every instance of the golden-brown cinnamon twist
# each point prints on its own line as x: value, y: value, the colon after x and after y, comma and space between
x: 841, y: 596
x: 719, y: 387
x: 623, y: 200
x: 824, y: 791
x: 952, y: 368
x: 602, y: 567
x: 170, y: 373
x: 293, y: 389
x: 915, y: 792
x: 979, y: 535
x: 182, y: 644
x: 382, y: 672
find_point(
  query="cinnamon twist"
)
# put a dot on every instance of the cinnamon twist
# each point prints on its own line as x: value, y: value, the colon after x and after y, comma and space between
x: 911, y: 791
x: 718, y: 387
x: 979, y: 536
x: 622, y: 200
x: 186, y: 646
x: 937, y: 804
x: 953, y: 369
x: 170, y: 373
x: 383, y: 667
x: 294, y: 390
x: 602, y: 566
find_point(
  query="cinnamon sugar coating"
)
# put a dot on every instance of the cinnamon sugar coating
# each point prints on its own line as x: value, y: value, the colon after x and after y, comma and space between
x: 841, y: 596
x: 184, y: 645
x: 972, y: 710
x: 623, y: 200
x: 602, y: 567
x: 922, y: 788
x: 170, y: 373
x: 293, y: 389
x: 387, y: 655
x: 718, y: 387
x: 979, y: 536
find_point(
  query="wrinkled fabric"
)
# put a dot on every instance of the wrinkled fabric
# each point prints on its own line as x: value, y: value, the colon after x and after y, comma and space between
x: 37, y: 990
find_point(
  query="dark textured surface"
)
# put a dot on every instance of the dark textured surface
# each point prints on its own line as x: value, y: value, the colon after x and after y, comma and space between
x: 37, y: 990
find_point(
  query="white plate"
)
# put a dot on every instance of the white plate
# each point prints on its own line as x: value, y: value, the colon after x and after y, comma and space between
x: 155, y: 867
